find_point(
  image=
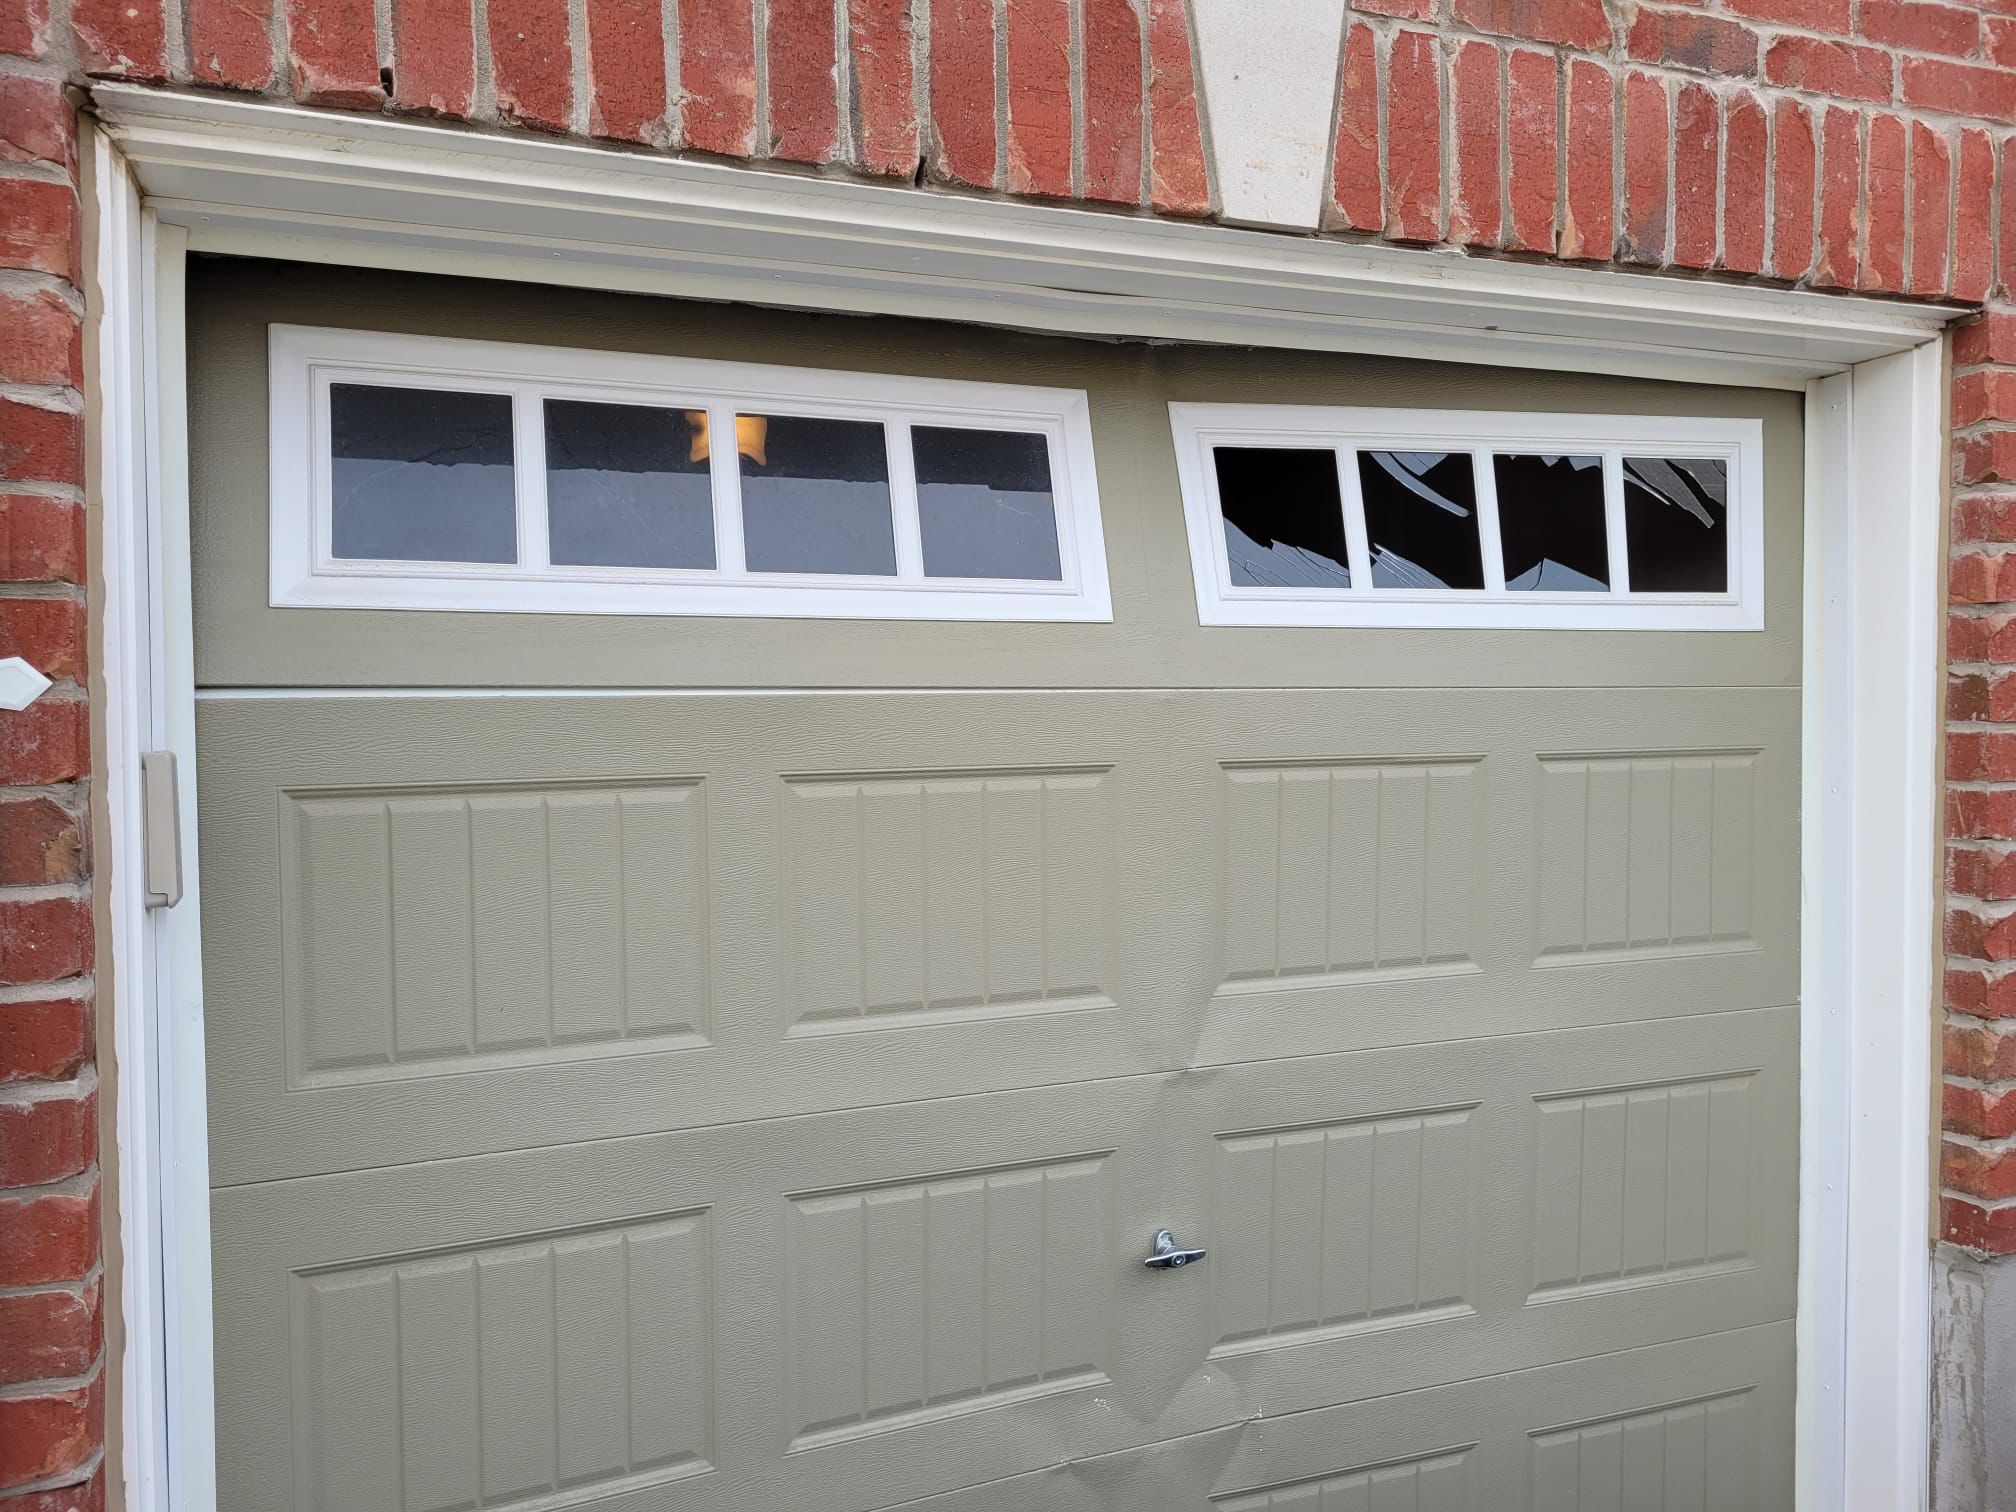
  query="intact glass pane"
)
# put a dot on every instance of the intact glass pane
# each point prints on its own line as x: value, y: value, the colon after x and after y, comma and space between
x: 1421, y: 519
x: 1550, y: 521
x: 1676, y: 524
x: 627, y: 485
x: 1284, y: 516
x: 815, y: 495
x: 421, y: 475
x: 984, y: 504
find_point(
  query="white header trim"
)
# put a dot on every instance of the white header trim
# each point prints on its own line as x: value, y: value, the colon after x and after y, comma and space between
x: 305, y: 572
x: 1199, y: 428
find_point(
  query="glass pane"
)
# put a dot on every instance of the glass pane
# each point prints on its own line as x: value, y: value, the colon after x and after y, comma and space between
x: 984, y: 504
x: 421, y: 475
x: 815, y: 495
x: 1550, y: 520
x: 1676, y: 524
x: 1421, y: 519
x: 627, y: 486
x: 1284, y: 516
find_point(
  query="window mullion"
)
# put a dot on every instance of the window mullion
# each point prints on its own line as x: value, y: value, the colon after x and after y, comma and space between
x: 1357, y: 540
x: 528, y: 462
x: 903, y: 502
x: 1484, y: 484
x: 1613, y: 519
x: 724, y: 467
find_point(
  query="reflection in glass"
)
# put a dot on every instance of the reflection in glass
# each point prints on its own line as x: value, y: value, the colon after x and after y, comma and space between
x: 1421, y: 519
x: 1550, y: 520
x: 1676, y: 524
x: 624, y: 489
x: 421, y: 475
x: 984, y: 504
x: 815, y: 496
x: 1284, y: 517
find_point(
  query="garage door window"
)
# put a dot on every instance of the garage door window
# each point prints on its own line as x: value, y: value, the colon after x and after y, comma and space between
x: 1415, y: 518
x: 423, y: 473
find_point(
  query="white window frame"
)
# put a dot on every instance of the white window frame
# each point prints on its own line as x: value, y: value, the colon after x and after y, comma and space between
x: 1199, y: 428
x: 304, y: 361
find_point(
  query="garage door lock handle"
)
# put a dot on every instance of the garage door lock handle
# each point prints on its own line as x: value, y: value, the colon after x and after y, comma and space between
x: 1165, y: 1256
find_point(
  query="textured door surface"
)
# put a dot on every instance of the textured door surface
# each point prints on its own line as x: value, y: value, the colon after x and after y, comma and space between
x: 687, y: 1064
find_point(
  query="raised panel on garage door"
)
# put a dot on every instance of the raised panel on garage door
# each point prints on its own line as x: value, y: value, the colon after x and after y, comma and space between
x: 683, y: 1063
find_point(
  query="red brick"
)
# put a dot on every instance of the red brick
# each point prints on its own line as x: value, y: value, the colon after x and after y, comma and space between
x: 1982, y: 874
x: 1931, y: 207
x: 1841, y: 69
x: 1405, y: 10
x: 24, y: 28
x: 37, y: 124
x: 1989, y: 1230
x: 1884, y: 204
x: 1980, y: 1111
x: 1746, y: 159
x: 332, y: 53
x: 1998, y: 40
x: 1990, y: 337
x: 1984, y: 638
x: 1980, y: 1051
x: 1693, y: 39
x: 1588, y: 224
x: 1534, y: 142
x: 49, y: 632
x: 123, y: 39
x: 804, y: 74
x: 40, y: 445
x: 1977, y: 992
x: 39, y: 227
x: 41, y: 540
x: 717, y: 74
x: 1989, y: 457
x: 1985, y: 517
x: 626, y: 71
x: 532, y: 61
x: 1355, y: 192
x: 1178, y: 184
x: 1039, y: 98
x: 1840, y: 199
x: 47, y: 1238
x: 1697, y: 131
x: 49, y: 741
x: 1984, y: 394
x: 1979, y: 1172
x: 1565, y: 23
x: 1113, y: 101
x: 44, y: 1039
x: 1476, y: 198
x: 40, y: 842
x: 879, y: 42
x: 44, y: 1436
x: 1414, y: 137
x: 1648, y: 216
x: 1814, y: 15
x: 1973, y: 217
x: 84, y: 1496
x: 1979, y: 577
x: 1960, y: 88
x: 962, y: 91
x: 47, y: 1335
x: 231, y: 43
x: 49, y: 1139
x: 434, y: 57
x: 1917, y: 26
x: 41, y: 340
x: 44, y: 939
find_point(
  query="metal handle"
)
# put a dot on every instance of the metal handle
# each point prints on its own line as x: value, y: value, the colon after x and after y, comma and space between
x: 1163, y: 1254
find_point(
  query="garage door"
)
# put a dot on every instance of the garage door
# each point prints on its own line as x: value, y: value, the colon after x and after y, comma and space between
x: 738, y: 1052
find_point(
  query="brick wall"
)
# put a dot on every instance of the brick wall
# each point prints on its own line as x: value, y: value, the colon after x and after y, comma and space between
x: 1838, y: 144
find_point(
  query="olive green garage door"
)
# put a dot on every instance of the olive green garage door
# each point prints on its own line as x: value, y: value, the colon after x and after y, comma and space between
x: 741, y: 1061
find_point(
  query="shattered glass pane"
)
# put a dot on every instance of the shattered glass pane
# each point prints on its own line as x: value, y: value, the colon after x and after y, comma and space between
x: 984, y: 505
x: 1421, y: 519
x: 1284, y: 516
x: 1676, y: 524
x: 1550, y: 522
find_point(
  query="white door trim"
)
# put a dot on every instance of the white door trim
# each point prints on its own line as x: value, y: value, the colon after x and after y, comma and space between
x: 176, y: 173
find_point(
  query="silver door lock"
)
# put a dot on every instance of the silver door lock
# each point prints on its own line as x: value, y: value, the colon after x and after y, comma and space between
x: 1165, y: 1256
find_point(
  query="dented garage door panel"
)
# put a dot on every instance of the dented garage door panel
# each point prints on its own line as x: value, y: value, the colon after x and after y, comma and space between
x: 764, y: 1094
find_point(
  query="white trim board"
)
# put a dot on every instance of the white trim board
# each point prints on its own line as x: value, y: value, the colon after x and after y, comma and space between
x: 274, y: 180
x: 325, y: 186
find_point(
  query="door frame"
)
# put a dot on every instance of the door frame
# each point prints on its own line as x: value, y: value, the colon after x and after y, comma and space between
x: 170, y: 173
